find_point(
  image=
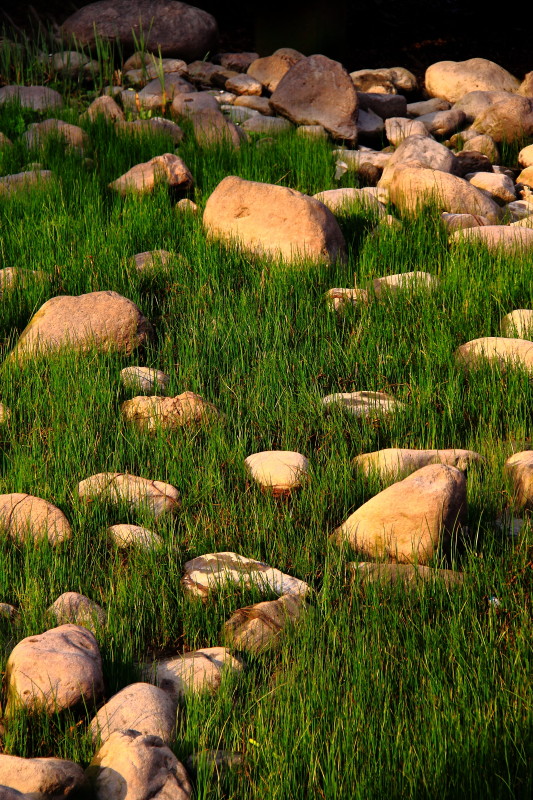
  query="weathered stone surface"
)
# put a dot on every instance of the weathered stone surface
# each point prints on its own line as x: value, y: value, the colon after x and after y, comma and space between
x: 356, y: 159
x: 507, y: 121
x: 350, y: 200
x: 453, y: 79
x: 269, y: 125
x: 140, y: 707
x: 277, y: 471
x: 340, y: 299
x: 126, y: 535
x: 421, y: 151
x: 142, y: 178
x: 403, y: 281
x: 144, y: 379
x: 244, y: 84
x: 443, y: 123
x: 213, y: 570
x: 75, y: 608
x: 455, y: 222
x: 364, y: 404
x: 39, y: 132
x: 169, y: 413
x: 120, y: 487
x: 499, y: 187
x: 40, y: 778
x: 270, y: 70
x: 497, y: 238
x: 410, y: 520
x: 130, y: 766
x: 422, y: 107
x: 104, y: 320
x: 474, y: 103
x: 106, y: 107
x: 518, y: 323
x: 318, y: 91
x: 260, y: 104
x: 23, y: 181
x: 384, y: 105
x: 369, y: 125
x: 54, y: 670
x: 157, y: 125
x: 399, y: 128
x: 396, y: 461
x: 212, y: 128
x: 151, y: 259
x: 7, y: 611
x: 186, y: 206
x: 7, y: 793
x: 238, y: 61
x: 189, y: 104
x: 384, y: 80
x: 520, y: 209
x: 24, y: 517
x: 406, y: 574
x: 258, y: 628
x: 520, y: 467
x: 197, y: 671
x: 526, y: 177
x: 525, y: 156
x: 38, y: 98
x: 273, y: 220
x: 485, y: 145
x: 497, y: 349
x: 170, y: 28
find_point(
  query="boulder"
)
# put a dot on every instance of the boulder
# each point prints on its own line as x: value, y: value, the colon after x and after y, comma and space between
x: 270, y: 70
x: 102, y: 320
x: 273, y: 220
x: 24, y: 517
x: 258, y: 628
x: 497, y: 349
x: 318, y: 91
x: 190, y: 103
x: 120, y: 487
x: 278, y: 471
x: 142, y: 178
x: 520, y: 468
x: 443, y: 123
x: 193, y: 672
x: 482, y: 145
x: 38, y: 98
x: 399, y: 128
x: 525, y: 156
x: 40, y: 778
x: 498, y: 187
x: 244, y: 84
x: 518, y: 323
x: 364, y: 404
x: 237, y: 61
x: 214, y: 570
x: 421, y: 151
x: 75, y: 608
x: 40, y: 132
x: 140, y: 707
x: 144, y: 379
x: 126, y: 535
x: 472, y: 104
x: 526, y: 177
x: 410, y: 520
x: 497, y: 238
x: 157, y: 125
x: 520, y: 209
x: 384, y: 105
x: 212, y: 128
x: 168, y: 413
x: 131, y: 766
x: 409, y: 575
x: 54, y: 670
x: 152, y: 259
x: 22, y: 181
x: 254, y: 103
x: 509, y: 120
x: 451, y: 80
x: 269, y: 125
x: 422, y: 107
x: 403, y: 281
x: 350, y: 200
x: 397, y: 461
x: 456, y: 222
x: 384, y: 80
x: 106, y: 107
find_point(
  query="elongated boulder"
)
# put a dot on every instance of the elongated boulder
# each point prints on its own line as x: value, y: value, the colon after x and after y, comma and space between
x: 397, y: 461
x: 497, y: 238
x: 498, y: 350
x: 277, y: 471
x: 140, y: 707
x: 518, y: 323
x: 412, y: 575
x: 40, y: 778
x: 142, y: 178
x: 75, y: 608
x: 38, y: 98
x: 54, y: 670
x: 24, y: 517
x: 520, y: 467
x: 364, y: 404
x: 410, y: 520
x: 192, y: 673
x: 259, y: 627
x: 168, y: 413
x: 120, y: 487
x: 273, y: 220
x: 215, y: 570
x: 451, y: 80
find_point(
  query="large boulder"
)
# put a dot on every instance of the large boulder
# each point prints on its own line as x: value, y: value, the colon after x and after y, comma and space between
x: 273, y: 220
x: 474, y: 103
x: 419, y: 151
x: 453, y: 79
x: 410, y: 520
x: 319, y: 91
x: 508, y: 120
x: 496, y: 349
x: 26, y: 518
x: 271, y: 69
x: 140, y: 707
x: 497, y: 238
x: 193, y: 672
x: 396, y: 461
x: 103, y: 320
x: 168, y: 27
x: 40, y: 778
x: 119, y: 487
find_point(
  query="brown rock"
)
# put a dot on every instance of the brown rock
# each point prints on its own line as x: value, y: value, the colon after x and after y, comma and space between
x: 261, y: 104
x: 40, y: 778
x: 270, y: 70
x: 384, y: 105
x: 119, y: 487
x: 384, y: 80
x: 71, y: 607
x: 168, y: 413
x: 350, y: 200
x: 472, y: 161
x: 106, y: 107
x: 405, y: 574
x: 394, y: 462
x: 520, y: 467
x: 526, y: 87
x: 340, y: 299
x: 258, y: 628
x: 238, y: 61
x: 188, y: 104
x: 194, y: 672
x: 421, y: 151
x: 142, y: 178
x: 72, y: 135
x: 38, y: 98
x: 158, y: 125
x: 22, y: 181
x: 453, y: 79
x: 399, y: 128
x: 526, y: 177
x: 455, y: 222
x: 525, y: 156
x: 144, y: 379
x: 443, y: 123
x: 25, y: 517
x: 140, y: 707
x: 422, y: 107
x: 497, y: 238
x: 244, y: 84
x: 507, y: 121
x: 474, y: 103
x: 212, y: 128
x: 485, y: 145
x: 497, y: 349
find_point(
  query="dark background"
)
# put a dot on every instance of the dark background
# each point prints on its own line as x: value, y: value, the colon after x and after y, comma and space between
x: 359, y: 33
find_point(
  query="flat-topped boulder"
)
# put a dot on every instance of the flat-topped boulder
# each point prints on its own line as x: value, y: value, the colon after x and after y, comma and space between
x: 24, y: 517
x: 121, y: 487
x: 38, y: 98
x: 193, y: 672
x: 499, y: 350
x: 277, y: 471
x: 214, y: 570
x: 396, y: 461
x: 453, y: 79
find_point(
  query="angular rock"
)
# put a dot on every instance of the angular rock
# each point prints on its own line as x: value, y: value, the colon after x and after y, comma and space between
x: 270, y: 70
x: 238, y: 61
x: 7, y: 611
x: 213, y: 570
x: 520, y: 467
x: 140, y: 707
x: 75, y: 608
x: 73, y: 136
x: 455, y: 222
x: 38, y: 98
x: 364, y: 404
x: 54, y: 670
x: 193, y: 672
x: 405, y: 574
x: 244, y: 84
x: 273, y: 220
x: 144, y: 379
x: 40, y: 778
x: 403, y: 281
x: 499, y: 187
x: 410, y: 520
x: 119, y: 487
x: 142, y: 178
x: 396, y: 461
x: 451, y: 80
x: 25, y: 518
x: 469, y: 161
x: 356, y: 159
x: 497, y: 349
x: 258, y: 628
x: 399, y: 128
x: 384, y: 80
x: 507, y: 121
x: 126, y: 535
x: 384, y: 105
x: 497, y: 238
x: 278, y: 471
x: 518, y: 323
x: 369, y: 125
x: 168, y: 413
x: 421, y: 151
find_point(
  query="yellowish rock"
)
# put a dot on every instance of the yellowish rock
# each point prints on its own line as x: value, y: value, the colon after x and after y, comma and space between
x: 278, y: 471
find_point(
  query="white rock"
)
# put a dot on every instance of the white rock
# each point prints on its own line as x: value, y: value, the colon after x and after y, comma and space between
x: 364, y: 404
x: 213, y: 570
x: 194, y: 672
x: 125, y: 535
x: 278, y: 471
x: 144, y: 379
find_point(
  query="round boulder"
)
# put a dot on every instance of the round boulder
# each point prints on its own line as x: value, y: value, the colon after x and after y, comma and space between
x: 451, y: 80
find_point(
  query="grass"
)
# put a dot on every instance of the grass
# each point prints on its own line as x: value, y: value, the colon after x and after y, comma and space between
x: 377, y: 692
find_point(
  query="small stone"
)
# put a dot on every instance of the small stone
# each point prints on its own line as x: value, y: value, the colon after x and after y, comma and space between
x: 364, y: 404
x: 189, y: 104
x: 158, y: 125
x: 422, y: 107
x: 140, y: 707
x: 278, y: 471
x: 443, y: 123
x: 119, y: 487
x: 215, y: 570
x: 105, y: 107
x: 259, y: 627
x: 144, y: 379
x: 40, y: 132
x: 194, y: 672
x: 469, y: 161
x: 384, y: 105
x: 345, y: 201
x: 526, y: 177
x: 186, y: 206
x: 22, y: 181
x: 142, y: 178
x: 244, y: 84
x: 369, y: 125
x: 269, y: 125
x: 397, y: 461
x: 75, y: 608
x: 24, y: 517
x: 169, y: 413
x: 485, y: 145
x: 340, y: 299
x: 497, y: 349
x: 9, y: 612
x: 518, y: 323
x: 125, y: 536
x: 403, y: 281
x: 520, y: 209
x: 261, y: 104
x: 399, y: 128
x: 520, y: 467
x: 410, y: 575
x: 40, y: 778
x: 152, y: 259
x: 498, y: 187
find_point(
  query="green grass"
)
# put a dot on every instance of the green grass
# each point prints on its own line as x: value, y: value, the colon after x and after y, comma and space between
x: 378, y: 692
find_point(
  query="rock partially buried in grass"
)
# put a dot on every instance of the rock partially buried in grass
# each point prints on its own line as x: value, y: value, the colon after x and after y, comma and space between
x: 396, y: 461
x: 455, y: 222
x: 278, y: 471
x: 518, y: 323
x: 152, y: 259
x: 212, y: 571
x: 140, y: 707
x: 7, y: 611
x: 340, y: 299
x: 22, y: 181
x: 403, y: 281
x: 273, y: 220
x: 406, y: 574
x: 25, y: 517
x: 259, y: 627
x: 5, y: 414
x: 220, y: 760
x: 502, y: 238
x: 496, y: 349
x: 54, y: 670
x: 144, y: 379
x: 410, y: 520
x: 130, y: 766
x: 11, y: 277
x: 72, y: 135
x: 126, y: 535
x: 168, y: 413
x: 38, y: 98
x: 364, y: 404
x: 105, y: 107
x: 167, y: 169
x: 350, y: 200
x: 120, y: 487
x: 520, y: 467
x: 75, y: 608
x: 194, y: 672
x: 40, y: 778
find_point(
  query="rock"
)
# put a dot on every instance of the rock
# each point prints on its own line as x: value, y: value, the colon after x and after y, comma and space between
x: 152, y: 259
x: 526, y: 222
x: 5, y: 141
x: 507, y: 121
x: 312, y: 131
x: 356, y: 159
x: 69, y: 62
x: 71, y: 607
x: 421, y: 151
x: 469, y: 161
x: 38, y: 98
x: 142, y: 178
x: 186, y: 206
x: 474, y: 103
x: 212, y: 128
x: 170, y: 28
x: 364, y: 404
x: 7, y: 793
x: 244, y: 84
x: 12, y: 277
x: 194, y: 672
x: 22, y: 181
x: 260, y: 104
x: 54, y: 670
x: 443, y: 123
x: 369, y: 125
x: 125, y: 536
x: 24, y: 517
x: 105, y: 107
x: 403, y: 281
x: 9, y: 612
x: 410, y: 520
x: 340, y: 299
x: 269, y: 125
x: 273, y: 220
x: 270, y: 70
x: 485, y: 145
x: 520, y: 209
x: 518, y: 323
x: 40, y: 778
x: 105, y: 321
x: 520, y: 468
x: 526, y: 87
x: 455, y: 222
x: 144, y: 379
x: 412, y: 187
x: 238, y: 114
x: 130, y: 766
x: 237, y: 61
x: 39, y: 132
x: 396, y: 461
x: 140, y: 707
x: 525, y: 156
x: 318, y: 91
x: 119, y: 487
x: 189, y: 104
x: 496, y: 349
x: 423, y: 107
x: 405, y: 574
x: 384, y: 105
x: 258, y: 628
x: 348, y: 200
x: 277, y: 471
x: 399, y: 128
x: 5, y: 416
x: 384, y: 80
x: 526, y: 177
x: 214, y: 570
x: 451, y: 80
x: 220, y: 760
x: 498, y: 187
x: 502, y: 238
x: 168, y: 413
x: 158, y: 125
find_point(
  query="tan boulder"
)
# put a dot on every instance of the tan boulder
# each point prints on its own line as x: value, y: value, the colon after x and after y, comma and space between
x: 399, y: 128
x: 453, y: 79
x: 273, y: 220
x: 518, y: 323
x: 340, y: 299
x: 194, y: 672
x: 23, y: 181
x: 188, y: 104
x: 24, y: 517
x: 144, y: 379
x: 258, y: 628
x: 403, y: 281
x: 40, y: 778
x: 474, y: 103
x: 520, y: 467
x: 497, y: 238
x: 142, y: 178
x: 525, y: 156
x: 168, y: 413
x: 411, y: 575
x: 120, y: 487
x: 278, y: 471
x: 106, y: 107
x: 384, y: 80
x: 254, y: 103
x: 350, y: 200
x: 54, y: 670
x: 457, y: 222
x: 410, y: 520
x: 75, y: 608
x: 12, y: 277
x: 364, y: 404
x: 130, y: 766
x: 244, y: 84
x: 126, y: 535
x: 396, y: 461
x: 498, y: 187
x: 140, y: 707
x: 526, y: 177
x: 508, y: 120
x: 443, y: 123
x: 212, y: 571
x: 270, y: 70
x: 72, y: 135
x: 419, y: 151
x: 498, y: 349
